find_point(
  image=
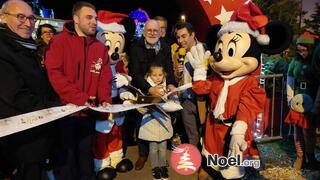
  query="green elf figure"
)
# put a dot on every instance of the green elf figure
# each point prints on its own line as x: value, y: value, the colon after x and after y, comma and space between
x: 301, y: 92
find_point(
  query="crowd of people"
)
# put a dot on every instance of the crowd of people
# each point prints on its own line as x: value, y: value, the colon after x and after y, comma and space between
x: 73, y: 67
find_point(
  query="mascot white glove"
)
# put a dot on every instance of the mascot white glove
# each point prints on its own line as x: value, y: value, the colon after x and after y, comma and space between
x: 237, y: 143
x: 122, y: 80
x: 171, y: 106
x: 198, y: 59
x: 127, y: 96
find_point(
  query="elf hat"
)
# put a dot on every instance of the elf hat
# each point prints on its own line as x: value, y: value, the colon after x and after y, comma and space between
x: 248, y: 19
x: 306, y: 38
x: 109, y: 21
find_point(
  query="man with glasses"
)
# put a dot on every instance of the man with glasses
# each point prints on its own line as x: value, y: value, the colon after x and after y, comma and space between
x: 147, y: 50
x: 79, y: 71
x: 25, y: 88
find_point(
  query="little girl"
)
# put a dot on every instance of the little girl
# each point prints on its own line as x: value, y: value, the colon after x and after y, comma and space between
x: 156, y: 128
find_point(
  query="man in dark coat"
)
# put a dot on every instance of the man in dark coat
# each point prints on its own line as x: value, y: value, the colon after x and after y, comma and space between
x: 150, y: 49
x: 24, y: 88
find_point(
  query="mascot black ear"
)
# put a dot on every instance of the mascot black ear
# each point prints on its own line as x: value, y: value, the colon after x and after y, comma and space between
x: 280, y: 37
x: 211, y: 37
x: 130, y: 27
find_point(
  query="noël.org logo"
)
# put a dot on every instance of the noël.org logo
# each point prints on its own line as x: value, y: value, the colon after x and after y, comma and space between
x: 223, y: 161
x: 185, y: 159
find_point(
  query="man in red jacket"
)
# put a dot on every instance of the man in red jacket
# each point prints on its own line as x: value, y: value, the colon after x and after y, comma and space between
x: 79, y: 71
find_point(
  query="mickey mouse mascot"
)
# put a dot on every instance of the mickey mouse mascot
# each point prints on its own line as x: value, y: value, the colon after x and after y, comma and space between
x: 235, y: 95
x: 108, y: 142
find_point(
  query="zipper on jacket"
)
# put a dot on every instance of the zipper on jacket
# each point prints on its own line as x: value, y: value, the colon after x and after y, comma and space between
x: 85, y: 59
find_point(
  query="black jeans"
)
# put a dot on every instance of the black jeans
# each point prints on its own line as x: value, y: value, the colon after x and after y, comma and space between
x: 76, y: 156
x: 27, y: 152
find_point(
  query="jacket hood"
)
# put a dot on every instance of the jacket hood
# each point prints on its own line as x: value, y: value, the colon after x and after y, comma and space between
x: 69, y: 27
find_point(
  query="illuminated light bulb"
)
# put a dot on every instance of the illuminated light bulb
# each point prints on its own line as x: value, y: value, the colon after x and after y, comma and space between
x: 183, y: 18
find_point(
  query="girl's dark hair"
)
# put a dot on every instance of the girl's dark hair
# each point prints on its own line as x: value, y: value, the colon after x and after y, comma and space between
x: 156, y: 65
x: 47, y: 26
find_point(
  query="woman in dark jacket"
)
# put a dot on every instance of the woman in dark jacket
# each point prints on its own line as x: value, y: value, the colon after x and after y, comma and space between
x: 44, y: 34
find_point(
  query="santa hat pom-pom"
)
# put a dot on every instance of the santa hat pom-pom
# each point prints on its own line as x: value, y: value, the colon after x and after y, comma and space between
x: 263, y: 39
x: 112, y: 27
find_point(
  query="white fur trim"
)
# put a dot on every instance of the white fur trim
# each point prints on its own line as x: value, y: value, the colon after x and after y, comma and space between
x: 118, y: 153
x: 233, y: 172
x: 243, y: 27
x: 100, y: 164
x: 116, y: 157
x: 112, y: 27
x: 239, y: 128
x: 263, y: 39
x: 219, y: 109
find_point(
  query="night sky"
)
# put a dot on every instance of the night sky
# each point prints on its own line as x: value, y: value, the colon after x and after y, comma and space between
x: 308, y: 6
x: 166, y: 8
x: 153, y: 7
x: 62, y: 8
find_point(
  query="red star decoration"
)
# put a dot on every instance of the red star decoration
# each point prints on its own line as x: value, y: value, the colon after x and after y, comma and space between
x: 215, y: 8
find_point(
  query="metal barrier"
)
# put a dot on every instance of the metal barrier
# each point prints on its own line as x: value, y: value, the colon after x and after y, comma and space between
x: 283, y: 105
x: 271, y: 86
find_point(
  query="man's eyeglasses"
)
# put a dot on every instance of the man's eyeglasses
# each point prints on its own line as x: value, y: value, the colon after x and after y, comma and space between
x: 153, y: 31
x: 22, y: 18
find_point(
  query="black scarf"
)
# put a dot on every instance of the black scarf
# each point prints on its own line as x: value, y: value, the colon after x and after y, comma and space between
x: 28, y: 43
